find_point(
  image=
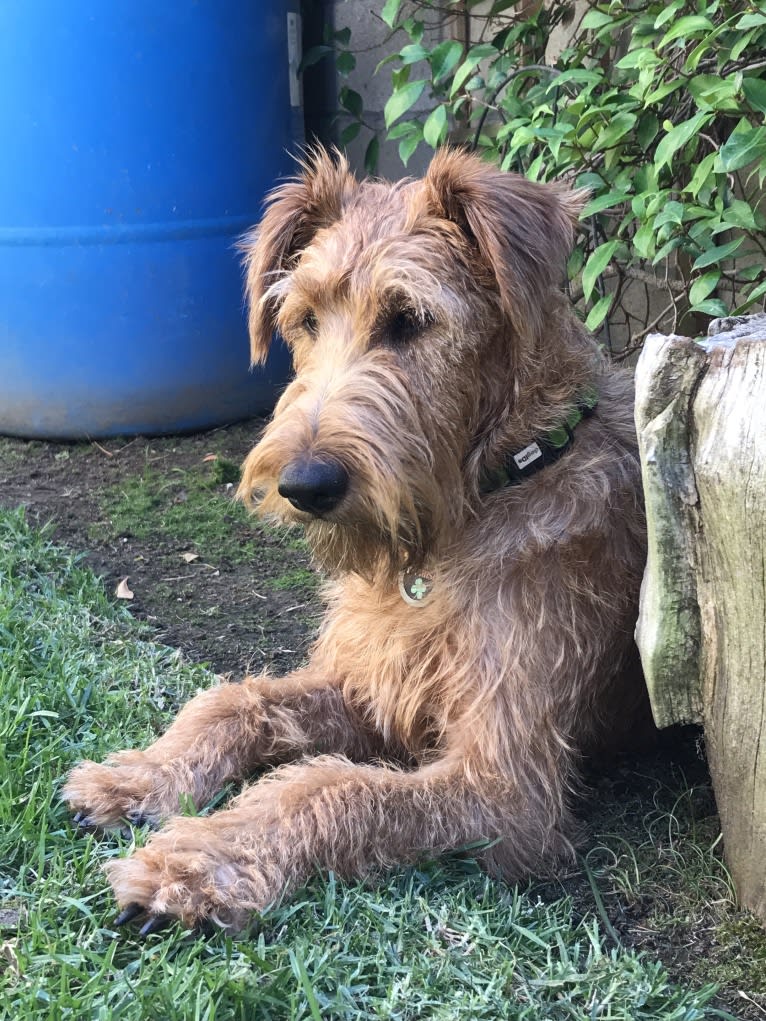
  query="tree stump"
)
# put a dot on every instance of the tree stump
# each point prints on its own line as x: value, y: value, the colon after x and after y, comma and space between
x: 701, y: 420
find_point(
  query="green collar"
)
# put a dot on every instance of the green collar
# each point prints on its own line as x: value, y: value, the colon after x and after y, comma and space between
x: 543, y: 450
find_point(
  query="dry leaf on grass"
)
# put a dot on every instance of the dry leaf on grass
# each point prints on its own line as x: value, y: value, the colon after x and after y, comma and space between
x: 9, y: 955
x: 190, y: 557
x: 122, y: 591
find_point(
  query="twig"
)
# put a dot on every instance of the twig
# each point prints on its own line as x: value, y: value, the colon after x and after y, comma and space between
x: 102, y: 449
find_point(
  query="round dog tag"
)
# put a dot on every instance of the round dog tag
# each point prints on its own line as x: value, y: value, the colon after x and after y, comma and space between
x: 415, y: 587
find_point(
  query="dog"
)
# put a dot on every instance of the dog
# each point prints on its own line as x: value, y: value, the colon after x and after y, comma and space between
x: 463, y: 460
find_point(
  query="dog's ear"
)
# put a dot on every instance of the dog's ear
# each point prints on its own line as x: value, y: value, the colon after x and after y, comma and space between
x: 523, y: 231
x: 294, y: 212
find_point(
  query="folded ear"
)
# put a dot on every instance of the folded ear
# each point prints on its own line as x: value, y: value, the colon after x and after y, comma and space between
x: 523, y: 231
x: 295, y: 211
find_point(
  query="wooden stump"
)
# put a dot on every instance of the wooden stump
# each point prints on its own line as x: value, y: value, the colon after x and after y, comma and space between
x: 701, y: 419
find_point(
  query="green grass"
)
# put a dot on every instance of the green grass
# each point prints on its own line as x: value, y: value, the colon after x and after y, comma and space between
x: 77, y: 679
x: 299, y: 579
x: 192, y: 506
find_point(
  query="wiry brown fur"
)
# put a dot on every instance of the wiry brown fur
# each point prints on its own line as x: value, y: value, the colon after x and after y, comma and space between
x: 411, y: 730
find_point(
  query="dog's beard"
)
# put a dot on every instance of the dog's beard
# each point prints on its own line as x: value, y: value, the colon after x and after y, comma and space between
x: 370, y: 549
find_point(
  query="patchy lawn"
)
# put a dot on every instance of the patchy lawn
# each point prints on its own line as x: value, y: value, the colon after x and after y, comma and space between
x: 79, y: 677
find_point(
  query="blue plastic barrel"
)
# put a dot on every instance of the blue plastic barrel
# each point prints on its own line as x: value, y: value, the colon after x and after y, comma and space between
x: 137, y: 140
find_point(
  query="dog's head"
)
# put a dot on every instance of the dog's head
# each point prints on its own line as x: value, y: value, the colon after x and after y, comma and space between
x: 416, y: 314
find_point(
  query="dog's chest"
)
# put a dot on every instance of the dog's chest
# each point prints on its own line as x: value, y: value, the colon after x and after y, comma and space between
x: 398, y: 657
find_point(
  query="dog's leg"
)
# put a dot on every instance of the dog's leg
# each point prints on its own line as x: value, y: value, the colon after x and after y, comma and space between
x: 330, y: 814
x: 221, y: 735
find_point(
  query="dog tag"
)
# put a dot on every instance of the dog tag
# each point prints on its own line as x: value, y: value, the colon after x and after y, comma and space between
x: 415, y: 587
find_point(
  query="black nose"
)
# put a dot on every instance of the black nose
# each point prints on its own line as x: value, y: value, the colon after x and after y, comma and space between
x: 314, y: 486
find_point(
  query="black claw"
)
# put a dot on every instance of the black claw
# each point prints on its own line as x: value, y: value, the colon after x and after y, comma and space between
x: 155, y: 924
x: 84, y: 822
x: 77, y: 816
x: 135, y: 817
x: 128, y: 914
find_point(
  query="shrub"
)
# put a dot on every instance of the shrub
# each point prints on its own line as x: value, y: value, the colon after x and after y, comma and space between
x: 657, y: 107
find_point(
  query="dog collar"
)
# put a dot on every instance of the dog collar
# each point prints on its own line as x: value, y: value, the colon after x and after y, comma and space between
x: 542, y: 451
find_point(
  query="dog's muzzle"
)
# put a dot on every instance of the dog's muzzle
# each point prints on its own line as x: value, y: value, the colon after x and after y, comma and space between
x: 314, y: 486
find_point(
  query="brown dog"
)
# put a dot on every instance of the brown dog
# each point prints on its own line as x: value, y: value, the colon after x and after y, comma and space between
x: 464, y: 463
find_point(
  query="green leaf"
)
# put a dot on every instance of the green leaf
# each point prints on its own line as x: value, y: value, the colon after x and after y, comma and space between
x: 599, y: 312
x: 345, y: 62
x: 579, y: 75
x: 407, y: 147
x: 677, y: 138
x: 643, y: 241
x: 350, y: 132
x: 596, y: 19
x: 667, y: 248
x: 371, y: 155
x: 702, y: 175
x: 717, y: 254
x: 742, y: 148
x: 444, y: 58
x: 400, y: 77
x: 462, y: 75
x: 692, y: 24
x: 668, y: 13
x: 755, y: 93
x: 412, y: 53
x: 740, y: 214
x: 752, y: 297
x: 536, y: 167
x: 596, y: 265
x: 700, y: 289
x: 713, y: 92
x: 351, y: 101
x: 661, y: 92
x: 671, y: 212
x: 414, y: 29
x: 602, y: 202
x: 466, y: 69
x: 648, y: 126
x: 390, y: 11
x: 435, y: 127
x: 401, y: 101
x: 575, y: 262
x: 751, y: 21
x: 314, y: 55
x: 482, y: 51
x: 619, y: 125
x: 750, y: 273
x: 742, y: 43
x: 643, y: 57
x: 712, y: 307
x: 404, y: 129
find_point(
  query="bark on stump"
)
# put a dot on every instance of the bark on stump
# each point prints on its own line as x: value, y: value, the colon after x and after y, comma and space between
x: 701, y: 419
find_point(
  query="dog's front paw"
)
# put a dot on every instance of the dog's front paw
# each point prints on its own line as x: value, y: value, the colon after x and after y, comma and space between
x: 125, y: 788
x: 187, y: 873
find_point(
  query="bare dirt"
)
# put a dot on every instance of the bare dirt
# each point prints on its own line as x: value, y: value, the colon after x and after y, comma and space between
x: 238, y: 596
x: 225, y: 607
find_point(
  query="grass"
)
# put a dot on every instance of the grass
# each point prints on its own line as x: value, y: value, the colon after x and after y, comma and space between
x: 190, y: 507
x: 79, y: 678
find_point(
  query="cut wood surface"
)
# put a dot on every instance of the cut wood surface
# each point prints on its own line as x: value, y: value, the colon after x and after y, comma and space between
x: 701, y: 419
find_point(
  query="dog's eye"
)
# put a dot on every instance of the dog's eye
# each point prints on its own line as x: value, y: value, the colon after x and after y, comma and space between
x: 310, y: 323
x: 406, y: 324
